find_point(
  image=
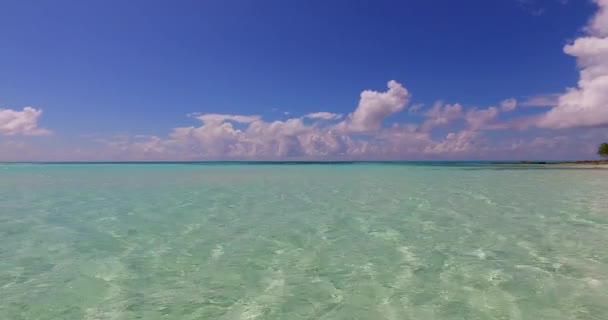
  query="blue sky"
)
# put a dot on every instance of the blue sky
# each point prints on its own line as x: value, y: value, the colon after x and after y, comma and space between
x: 114, y: 79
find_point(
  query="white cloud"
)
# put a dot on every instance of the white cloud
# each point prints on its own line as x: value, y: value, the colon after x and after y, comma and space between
x: 444, y: 112
x: 24, y: 122
x: 259, y: 139
x: 482, y: 119
x: 455, y: 143
x: 217, y: 118
x: 374, y: 107
x: 441, y: 114
x: 324, y: 116
x: 217, y: 137
x: 152, y: 145
x: 360, y: 135
x: 587, y: 104
x: 476, y: 119
x: 599, y: 24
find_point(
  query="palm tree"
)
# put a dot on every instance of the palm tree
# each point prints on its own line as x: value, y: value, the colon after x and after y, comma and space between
x: 603, y: 150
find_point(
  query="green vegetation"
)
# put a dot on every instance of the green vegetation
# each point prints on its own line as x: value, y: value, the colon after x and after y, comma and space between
x: 603, y: 150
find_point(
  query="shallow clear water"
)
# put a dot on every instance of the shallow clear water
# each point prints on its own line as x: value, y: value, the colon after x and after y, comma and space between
x: 352, y: 241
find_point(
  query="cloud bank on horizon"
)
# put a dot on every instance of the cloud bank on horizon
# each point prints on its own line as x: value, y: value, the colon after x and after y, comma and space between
x: 445, y: 130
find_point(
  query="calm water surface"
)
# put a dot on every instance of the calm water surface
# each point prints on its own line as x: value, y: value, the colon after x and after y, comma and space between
x: 340, y: 241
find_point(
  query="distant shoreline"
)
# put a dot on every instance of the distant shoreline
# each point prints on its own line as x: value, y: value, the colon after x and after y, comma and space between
x: 579, y: 162
x: 339, y: 162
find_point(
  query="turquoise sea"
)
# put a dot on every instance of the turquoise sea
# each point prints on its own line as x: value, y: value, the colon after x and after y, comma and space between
x: 303, y: 241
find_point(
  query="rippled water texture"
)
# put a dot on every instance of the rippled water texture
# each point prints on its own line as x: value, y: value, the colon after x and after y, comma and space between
x: 355, y: 241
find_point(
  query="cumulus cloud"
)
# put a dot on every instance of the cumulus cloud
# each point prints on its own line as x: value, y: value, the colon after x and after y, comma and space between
x: 24, y: 122
x: 259, y: 139
x: 455, y: 143
x: 374, y: 107
x: 441, y: 114
x: 476, y: 119
x: 360, y: 135
x: 125, y: 147
x: 487, y: 119
x: 363, y: 134
x: 217, y: 118
x: 599, y: 23
x: 324, y: 116
x: 217, y: 137
x: 482, y: 119
x: 446, y: 112
x: 587, y: 104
